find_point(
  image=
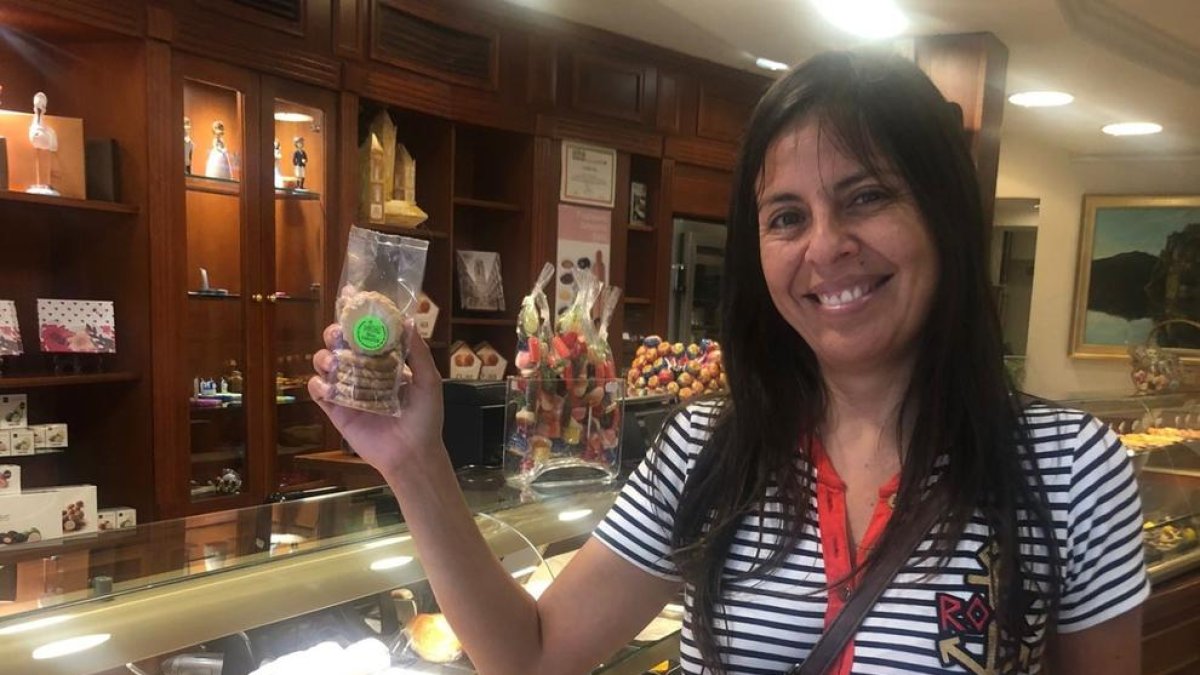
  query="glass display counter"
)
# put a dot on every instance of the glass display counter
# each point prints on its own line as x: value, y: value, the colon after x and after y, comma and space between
x: 228, y: 591
x: 1162, y: 435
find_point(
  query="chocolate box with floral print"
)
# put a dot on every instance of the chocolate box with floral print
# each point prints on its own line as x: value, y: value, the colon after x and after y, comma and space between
x: 10, y: 330
x: 76, y: 326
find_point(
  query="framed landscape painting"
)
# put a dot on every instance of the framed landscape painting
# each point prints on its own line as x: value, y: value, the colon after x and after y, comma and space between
x: 1139, y: 265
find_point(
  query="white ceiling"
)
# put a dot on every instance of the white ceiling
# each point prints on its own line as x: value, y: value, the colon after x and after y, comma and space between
x: 1124, y: 60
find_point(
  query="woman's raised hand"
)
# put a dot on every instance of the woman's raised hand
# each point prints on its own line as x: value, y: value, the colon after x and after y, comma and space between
x: 383, y: 441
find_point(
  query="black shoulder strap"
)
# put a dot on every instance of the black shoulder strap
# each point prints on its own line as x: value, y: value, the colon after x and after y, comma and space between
x: 881, y: 573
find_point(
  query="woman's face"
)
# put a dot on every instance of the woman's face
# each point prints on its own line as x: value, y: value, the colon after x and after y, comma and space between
x: 847, y: 257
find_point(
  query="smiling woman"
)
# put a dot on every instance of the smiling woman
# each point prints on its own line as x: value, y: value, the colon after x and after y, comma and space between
x: 872, y: 496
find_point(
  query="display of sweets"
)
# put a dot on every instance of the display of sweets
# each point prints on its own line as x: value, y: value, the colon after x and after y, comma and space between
x: 661, y: 367
x: 566, y: 404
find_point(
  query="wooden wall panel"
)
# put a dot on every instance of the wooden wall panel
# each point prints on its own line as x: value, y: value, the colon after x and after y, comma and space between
x: 1171, y: 628
x: 349, y: 27
x: 542, y: 76
x: 436, y: 41
x: 127, y: 17
x: 970, y: 70
x: 722, y: 114
x: 613, y: 88
x: 700, y: 152
x: 306, y: 58
x: 619, y: 137
x: 668, y: 109
x: 701, y: 192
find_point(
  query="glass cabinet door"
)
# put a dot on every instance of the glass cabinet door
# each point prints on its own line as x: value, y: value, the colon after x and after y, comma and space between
x: 219, y: 290
x: 301, y: 162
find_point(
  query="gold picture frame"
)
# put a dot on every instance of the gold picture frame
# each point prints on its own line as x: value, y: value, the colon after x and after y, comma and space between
x: 1122, y: 244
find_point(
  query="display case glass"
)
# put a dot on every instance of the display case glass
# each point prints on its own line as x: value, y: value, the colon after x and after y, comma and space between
x: 217, y: 285
x: 235, y: 588
x: 1162, y: 436
x: 296, y: 306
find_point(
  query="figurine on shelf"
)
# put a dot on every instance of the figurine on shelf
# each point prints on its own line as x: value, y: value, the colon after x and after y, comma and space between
x: 45, y: 144
x: 278, y: 152
x: 299, y: 161
x: 188, y: 146
x: 218, y: 157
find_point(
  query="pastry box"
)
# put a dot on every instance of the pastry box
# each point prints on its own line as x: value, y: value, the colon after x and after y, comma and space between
x: 29, y: 517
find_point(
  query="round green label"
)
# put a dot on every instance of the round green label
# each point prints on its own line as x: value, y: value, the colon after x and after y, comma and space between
x: 371, y: 333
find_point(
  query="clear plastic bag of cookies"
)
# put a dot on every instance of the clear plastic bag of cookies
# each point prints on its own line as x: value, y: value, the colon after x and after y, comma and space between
x: 381, y: 279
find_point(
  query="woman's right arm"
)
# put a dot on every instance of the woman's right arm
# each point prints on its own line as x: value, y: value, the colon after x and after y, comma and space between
x: 596, y: 605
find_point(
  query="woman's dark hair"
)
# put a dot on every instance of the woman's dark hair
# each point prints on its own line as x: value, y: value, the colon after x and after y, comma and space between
x: 884, y: 112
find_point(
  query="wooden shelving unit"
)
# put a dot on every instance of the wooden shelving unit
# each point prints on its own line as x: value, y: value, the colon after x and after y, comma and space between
x: 478, y: 321
x: 487, y: 204
x: 20, y: 382
x: 214, y: 186
x: 67, y: 203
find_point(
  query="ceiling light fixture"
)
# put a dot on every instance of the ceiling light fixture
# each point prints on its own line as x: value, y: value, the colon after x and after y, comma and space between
x: 1131, y: 128
x: 1041, y: 99
x: 871, y: 19
x: 292, y: 117
x: 768, y: 64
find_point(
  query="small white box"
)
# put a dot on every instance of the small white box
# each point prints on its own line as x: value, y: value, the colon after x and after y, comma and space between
x: 56, y: 435
x: 426, y: 316
x: 21, y: 442
x: 14, y: 411
x: 117, y: 518
x: 77, y: 507
x: 464, y: 364
x: 39, y: 435
x: 492, y: 364
x: 5, y: 442
x: 10, y: 479
x: 29, y: 517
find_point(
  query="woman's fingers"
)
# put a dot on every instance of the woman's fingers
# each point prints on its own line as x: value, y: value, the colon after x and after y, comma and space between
x: 318, y: 388
x: 324, y: 362
x: 332, y: 335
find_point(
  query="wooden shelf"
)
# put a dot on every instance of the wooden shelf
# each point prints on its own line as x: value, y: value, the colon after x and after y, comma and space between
x: 487, y: 204
x: 216, y: 186
x: 299, y: 195
x: 43, y: 381
x: 419, y: 233
x: 40, y: 453
x: 631, y: 300
x: 474, y: 321
x: 197, y: 295
x: 66, y: 202
x: 638, y: 227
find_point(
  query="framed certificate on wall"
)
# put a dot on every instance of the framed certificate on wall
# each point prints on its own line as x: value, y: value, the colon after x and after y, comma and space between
x: 589, y: 174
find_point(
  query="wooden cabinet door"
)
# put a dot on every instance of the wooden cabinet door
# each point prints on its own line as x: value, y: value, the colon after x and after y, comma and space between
x: 215, y: 463
x: 297, y: 190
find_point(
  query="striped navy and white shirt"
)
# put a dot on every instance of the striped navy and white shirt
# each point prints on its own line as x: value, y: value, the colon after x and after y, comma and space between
x: 925, y: 622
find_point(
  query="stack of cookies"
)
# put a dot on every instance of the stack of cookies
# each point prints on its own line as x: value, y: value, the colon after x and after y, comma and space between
x: 370, y: 364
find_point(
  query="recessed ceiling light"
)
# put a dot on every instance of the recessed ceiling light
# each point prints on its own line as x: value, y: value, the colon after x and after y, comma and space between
x: 871, y: 19
x: 1132, y: 128
x: 1041, y: 99
x: 768, y: 64
x: 292, y: 117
